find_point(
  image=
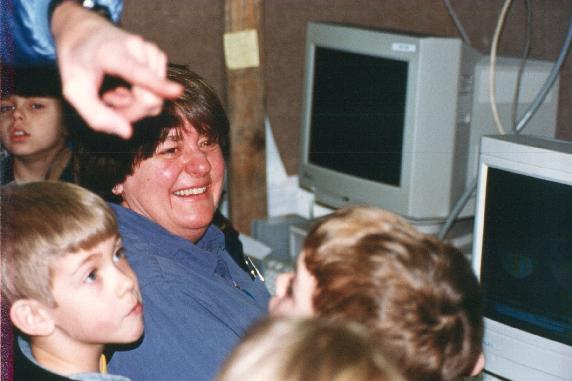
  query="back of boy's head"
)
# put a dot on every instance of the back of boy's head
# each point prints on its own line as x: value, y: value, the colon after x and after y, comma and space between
x: 294, y: 349
x: 40, y: 222
x: 417, y: 294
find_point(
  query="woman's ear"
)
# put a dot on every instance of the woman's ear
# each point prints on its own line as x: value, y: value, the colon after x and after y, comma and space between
x: 479, y: 365
x: 32, y: 317
x: 118, y: 189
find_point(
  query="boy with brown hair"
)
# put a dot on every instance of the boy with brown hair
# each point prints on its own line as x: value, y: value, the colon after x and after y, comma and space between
x: 66, y: 279
x: 416, y: 294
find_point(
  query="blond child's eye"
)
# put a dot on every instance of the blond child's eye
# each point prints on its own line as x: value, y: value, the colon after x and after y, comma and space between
x: 91, y: 277
x: 119, y: 255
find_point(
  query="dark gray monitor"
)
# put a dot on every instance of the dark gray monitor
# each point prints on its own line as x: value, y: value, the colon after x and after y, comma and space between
x: 522, y: 254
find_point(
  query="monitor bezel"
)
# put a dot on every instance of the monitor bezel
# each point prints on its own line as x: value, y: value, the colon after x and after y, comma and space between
x: 372, y: 44
x: 435, y: 136
x: 513, y: 352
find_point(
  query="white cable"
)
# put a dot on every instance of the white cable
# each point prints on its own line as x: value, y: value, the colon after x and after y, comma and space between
x: 492, y: 79
x: 520, y: 125
x: 457, y: 22
x: 522, y: 64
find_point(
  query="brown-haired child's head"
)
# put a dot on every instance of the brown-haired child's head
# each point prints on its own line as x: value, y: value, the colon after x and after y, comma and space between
x: 34, y: 122
x: 417, y: 295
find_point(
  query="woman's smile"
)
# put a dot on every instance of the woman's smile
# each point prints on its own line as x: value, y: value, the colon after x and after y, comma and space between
x: 190, y: 191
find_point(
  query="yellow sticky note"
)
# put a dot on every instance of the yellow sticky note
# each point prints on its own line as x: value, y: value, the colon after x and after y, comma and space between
x: 241, y: 49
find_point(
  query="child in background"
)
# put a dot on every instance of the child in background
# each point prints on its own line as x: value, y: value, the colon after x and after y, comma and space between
x: 417, y: 295
x: 66, y: 280
x: 33, y: 119
x: 297, y: 349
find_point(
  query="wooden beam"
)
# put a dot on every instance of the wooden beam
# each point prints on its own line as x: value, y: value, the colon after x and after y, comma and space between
x: 245, y: 106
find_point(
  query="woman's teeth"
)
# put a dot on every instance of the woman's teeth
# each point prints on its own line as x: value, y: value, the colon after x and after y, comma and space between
x: 190, y: 191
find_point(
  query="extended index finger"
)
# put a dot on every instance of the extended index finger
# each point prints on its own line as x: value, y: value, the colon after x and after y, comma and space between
x: 137, y: 64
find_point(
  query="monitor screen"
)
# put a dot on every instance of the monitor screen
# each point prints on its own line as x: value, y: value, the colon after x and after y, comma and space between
x: 358, y: 117
x: 526, y: 269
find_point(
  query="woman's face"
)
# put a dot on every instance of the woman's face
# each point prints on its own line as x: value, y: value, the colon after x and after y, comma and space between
x: 31, y: 126
x: 180, y: 186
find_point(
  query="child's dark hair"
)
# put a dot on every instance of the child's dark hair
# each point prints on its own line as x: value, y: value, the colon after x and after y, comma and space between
x: 33, y: 81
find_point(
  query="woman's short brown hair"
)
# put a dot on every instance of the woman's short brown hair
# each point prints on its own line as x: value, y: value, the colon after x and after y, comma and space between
x: 417, y: 294
x: 102, y: 160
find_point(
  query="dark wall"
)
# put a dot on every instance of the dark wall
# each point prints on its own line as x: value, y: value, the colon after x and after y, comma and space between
x: 191, y: 32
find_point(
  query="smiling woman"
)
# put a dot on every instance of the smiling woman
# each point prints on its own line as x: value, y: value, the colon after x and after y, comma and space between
x: 168, y: 180
x: 180, y: 186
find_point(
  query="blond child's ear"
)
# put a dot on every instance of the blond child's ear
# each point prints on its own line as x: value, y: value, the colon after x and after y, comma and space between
x: 31, y: 317
x: 479, y: 365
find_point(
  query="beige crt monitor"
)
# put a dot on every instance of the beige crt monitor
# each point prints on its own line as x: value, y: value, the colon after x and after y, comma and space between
x: 393, y: 119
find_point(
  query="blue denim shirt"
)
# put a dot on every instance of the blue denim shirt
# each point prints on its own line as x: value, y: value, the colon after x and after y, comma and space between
x: 25, y: 36
x: 197, y: 302
x: 27, y: 351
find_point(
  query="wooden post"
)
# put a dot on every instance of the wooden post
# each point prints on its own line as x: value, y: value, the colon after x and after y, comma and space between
x: 245, y: 106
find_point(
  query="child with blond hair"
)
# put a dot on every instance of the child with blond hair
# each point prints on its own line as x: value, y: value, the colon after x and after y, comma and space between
x: 302, y: 349
x: 65, y: 277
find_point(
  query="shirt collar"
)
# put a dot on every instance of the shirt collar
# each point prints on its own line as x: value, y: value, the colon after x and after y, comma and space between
x: 26, y: 350
x: 206, y: 251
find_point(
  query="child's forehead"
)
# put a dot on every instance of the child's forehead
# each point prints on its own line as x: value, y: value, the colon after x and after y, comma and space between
x: 100, y: 249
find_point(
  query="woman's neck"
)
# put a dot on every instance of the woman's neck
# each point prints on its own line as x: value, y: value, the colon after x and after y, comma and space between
x: 193, y: 235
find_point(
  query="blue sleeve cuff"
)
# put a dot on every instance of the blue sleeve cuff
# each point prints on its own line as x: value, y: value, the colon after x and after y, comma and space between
x: 25, y: 36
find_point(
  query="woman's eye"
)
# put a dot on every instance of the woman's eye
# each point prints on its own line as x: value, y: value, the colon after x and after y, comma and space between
x: 118, y: 255
x: 208, y: 143
x: 169, y: 151
x: 91, y: 277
